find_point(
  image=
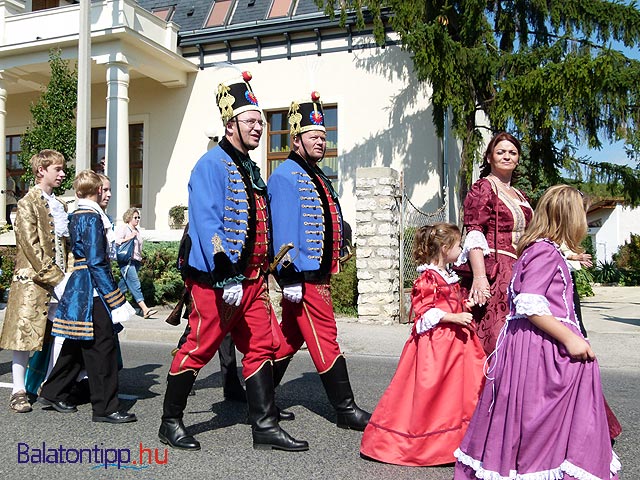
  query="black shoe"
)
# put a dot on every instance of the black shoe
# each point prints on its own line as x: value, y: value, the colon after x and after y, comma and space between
x: 173, y: 433
x: 116, y: 417
x: 58, y: 406
x: 277, y: 439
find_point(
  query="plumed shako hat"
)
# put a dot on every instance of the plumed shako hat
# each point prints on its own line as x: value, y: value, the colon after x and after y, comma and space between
x: 236, y: 96
x: 307, y: 115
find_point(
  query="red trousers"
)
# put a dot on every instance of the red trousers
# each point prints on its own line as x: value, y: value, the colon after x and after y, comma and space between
x: 311, y: 321
x: 253, y: 327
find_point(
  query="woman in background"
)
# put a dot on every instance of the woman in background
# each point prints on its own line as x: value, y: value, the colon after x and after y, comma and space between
x: 129, y: 271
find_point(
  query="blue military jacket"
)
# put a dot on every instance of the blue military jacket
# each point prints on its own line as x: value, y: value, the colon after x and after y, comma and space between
x: 300, y: 215
x: 221, y: 217
x: 91, y: 270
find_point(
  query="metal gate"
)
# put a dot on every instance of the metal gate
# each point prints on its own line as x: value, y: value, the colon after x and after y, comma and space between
x: 411, y: 219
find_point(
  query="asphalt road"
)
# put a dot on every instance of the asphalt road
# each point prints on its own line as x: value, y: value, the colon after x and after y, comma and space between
x: 611, y: 318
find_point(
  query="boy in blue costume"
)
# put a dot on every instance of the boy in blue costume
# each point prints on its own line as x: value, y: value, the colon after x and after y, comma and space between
x: 91, y: 303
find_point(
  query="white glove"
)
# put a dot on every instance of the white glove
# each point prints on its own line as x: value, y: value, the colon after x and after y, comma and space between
x: 122, y: 313
x: 58, y: 290
x: 232, y: 294
x: 293, y: 292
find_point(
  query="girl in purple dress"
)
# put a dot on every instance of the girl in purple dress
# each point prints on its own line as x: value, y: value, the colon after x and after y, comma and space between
x: 541, y: 415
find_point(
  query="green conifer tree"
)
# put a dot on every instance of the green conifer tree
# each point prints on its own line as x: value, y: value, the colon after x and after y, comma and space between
x: 53, y: 124
x: 544, y: 70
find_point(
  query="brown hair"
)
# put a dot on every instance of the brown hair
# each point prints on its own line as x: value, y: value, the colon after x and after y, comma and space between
x: 485, y: 168
x: 560, y: 216
x: 430, y: 239
x: 128, y: 215
x: 86, y: 183
x: 44, y: 159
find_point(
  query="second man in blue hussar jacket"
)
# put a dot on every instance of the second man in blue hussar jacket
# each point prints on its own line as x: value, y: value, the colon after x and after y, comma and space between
x: 306, y: 213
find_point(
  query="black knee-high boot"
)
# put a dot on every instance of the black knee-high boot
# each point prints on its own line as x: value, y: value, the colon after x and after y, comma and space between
x: 336, y: 384
x: 263, y: 414
x: 279, y: 367
x: 172, y: 431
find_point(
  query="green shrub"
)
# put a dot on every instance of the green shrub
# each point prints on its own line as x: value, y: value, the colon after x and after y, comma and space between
x: 607, y: 272
x: 584, y: 279
x: 7, y: 264
x: 344, y: 289
x: 628, y: 261
x: 160, y: 280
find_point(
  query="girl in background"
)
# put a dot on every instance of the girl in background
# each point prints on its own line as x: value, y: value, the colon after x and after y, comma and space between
x: 424, y: 413
x: 542, y: 414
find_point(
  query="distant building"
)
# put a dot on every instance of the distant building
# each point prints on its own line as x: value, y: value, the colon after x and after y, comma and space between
x: 610, y: 226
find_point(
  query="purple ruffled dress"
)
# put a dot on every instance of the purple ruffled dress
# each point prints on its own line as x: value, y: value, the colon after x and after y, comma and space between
x: 541, y: 415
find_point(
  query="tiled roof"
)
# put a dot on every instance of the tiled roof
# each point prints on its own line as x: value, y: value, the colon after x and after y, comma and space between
x: 254, y: 13
x: 191, y: 15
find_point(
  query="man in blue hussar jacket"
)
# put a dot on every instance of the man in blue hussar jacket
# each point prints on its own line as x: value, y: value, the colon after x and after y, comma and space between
x: 226, y: 263
x: 305, y: 212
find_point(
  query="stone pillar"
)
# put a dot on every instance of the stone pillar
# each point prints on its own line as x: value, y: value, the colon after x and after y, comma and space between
x: 378, y: 199
x: 117, y: 148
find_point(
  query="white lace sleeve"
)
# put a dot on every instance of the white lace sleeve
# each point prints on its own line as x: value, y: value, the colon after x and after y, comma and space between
x: 474, y: 239
x: 429, y: 319
x: 531, y: 304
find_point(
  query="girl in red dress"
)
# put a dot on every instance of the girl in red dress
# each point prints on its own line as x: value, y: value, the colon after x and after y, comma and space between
x: 423, y: 415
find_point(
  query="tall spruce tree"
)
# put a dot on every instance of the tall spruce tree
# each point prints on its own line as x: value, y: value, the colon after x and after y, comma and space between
x: 53, y: 124
x: 544, y: 70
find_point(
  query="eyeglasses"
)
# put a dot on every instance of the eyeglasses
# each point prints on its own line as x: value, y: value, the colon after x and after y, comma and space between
x: 252, y: 122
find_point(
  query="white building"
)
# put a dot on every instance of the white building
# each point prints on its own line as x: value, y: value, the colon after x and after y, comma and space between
x: 610, y: 226
x: 154, y: 74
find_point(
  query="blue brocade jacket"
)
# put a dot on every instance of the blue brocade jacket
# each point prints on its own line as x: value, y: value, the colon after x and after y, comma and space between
x: 222, y: 218
x: 300, y: 214
x: 91, y: 270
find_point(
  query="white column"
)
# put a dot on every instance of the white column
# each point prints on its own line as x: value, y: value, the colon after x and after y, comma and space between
x: 117, y: 148
x: 3, y: 151
x: 83, y: 115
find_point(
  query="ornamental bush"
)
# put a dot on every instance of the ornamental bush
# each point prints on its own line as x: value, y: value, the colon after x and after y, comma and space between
x: 7, y: 264
x: 344, y: 289
x: 628, y: 260
x: 160, y: 279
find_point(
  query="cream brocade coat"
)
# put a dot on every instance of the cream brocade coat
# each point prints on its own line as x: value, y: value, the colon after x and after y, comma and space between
x: 34, y: 276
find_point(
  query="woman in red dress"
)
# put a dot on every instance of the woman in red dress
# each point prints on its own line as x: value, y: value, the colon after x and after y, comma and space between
x: 423, y: 415
x: 495, y: 217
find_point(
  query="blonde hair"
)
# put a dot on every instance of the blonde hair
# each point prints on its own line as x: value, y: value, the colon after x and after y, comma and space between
x: 104, y: 178
x: 87, y: 183
x: 559, y: 216
x: 128, y: 215
x: 44, y: 159
x: 430, y: 239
